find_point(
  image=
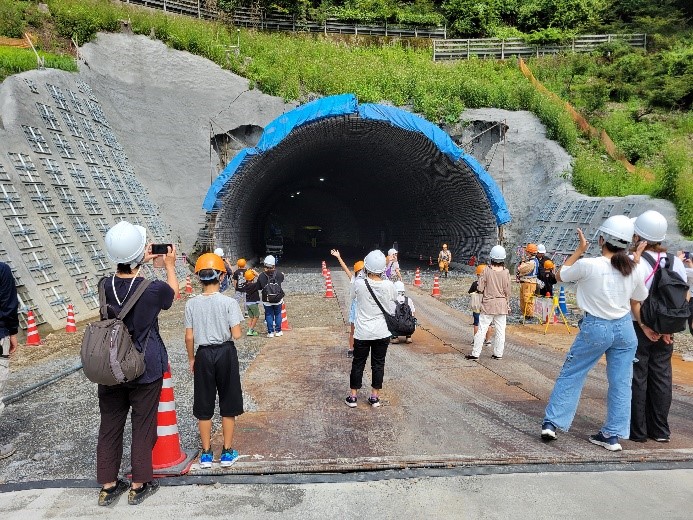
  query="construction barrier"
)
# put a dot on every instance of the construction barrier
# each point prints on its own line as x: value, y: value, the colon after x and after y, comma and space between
x: 32, y: 333
x: 417, y: 278
x: 168, y: 459
x: 70, y: 326
x: 188, y: 285
x: 285, y: 319
x: 329, y: 291
x: 436, y: 287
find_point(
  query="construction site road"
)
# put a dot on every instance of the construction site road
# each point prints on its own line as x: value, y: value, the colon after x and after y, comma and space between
x: 439, y: 409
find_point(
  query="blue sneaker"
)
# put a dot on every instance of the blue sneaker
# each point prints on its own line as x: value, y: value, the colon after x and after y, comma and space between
x: 610, y: 443
x: 548, y: 431
x: 206, y: 458
x: 228, y: 457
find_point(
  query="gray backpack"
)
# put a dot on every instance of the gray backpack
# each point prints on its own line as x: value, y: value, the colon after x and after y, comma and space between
x: 109, y: 357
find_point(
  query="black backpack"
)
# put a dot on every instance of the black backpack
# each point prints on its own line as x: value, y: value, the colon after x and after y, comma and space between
x: 272, y: 292
x: 402, y: 322
x: 665, y: 310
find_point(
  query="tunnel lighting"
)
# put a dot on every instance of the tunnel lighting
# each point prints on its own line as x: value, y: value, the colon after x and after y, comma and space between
x: 292, y: 196
x: 322, y: 179
x: 298, y: 193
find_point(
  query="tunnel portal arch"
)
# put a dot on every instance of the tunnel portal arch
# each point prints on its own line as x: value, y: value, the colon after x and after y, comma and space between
x: 333, y: 173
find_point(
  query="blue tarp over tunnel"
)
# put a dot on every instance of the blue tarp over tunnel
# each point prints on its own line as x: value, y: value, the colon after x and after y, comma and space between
x: 347, y: 105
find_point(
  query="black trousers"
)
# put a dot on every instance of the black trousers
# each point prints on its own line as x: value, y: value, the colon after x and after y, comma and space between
x: 114, y: 404
x: 378, y: 351
x: 652, y: 389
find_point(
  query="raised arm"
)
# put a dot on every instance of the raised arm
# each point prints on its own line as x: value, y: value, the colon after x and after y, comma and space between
x: 335, y: 253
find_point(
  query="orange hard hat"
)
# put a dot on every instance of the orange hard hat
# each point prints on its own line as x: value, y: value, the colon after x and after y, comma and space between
x: 249, y: 275
x: 549, y: 264
x: 480, y: 269
x: 531, y: 248
x: 241, y: 263
x: 210, y: 261
x: 358, y: 266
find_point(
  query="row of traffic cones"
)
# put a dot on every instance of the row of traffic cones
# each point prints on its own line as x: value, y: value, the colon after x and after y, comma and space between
x: 32, y: 334
x: 436, y: 283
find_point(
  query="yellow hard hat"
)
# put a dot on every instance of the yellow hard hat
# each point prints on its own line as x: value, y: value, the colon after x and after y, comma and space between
x: 210, y: 261
x: 549, y: 264
x: 241, y: 263
x: 358, y: 266
x: 531, y: 248
x: 480, y: 269
x: 249, y: 275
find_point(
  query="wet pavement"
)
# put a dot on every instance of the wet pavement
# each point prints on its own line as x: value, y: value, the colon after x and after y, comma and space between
x: 439, y: 409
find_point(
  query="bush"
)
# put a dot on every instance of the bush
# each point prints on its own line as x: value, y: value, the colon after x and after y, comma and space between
x: 12, y: 23
x: 636, y: 140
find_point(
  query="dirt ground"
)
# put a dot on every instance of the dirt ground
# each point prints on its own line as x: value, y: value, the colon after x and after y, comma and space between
x: 60, y: 344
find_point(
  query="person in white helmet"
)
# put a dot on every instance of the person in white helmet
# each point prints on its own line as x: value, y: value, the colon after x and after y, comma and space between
x: 652, y: 373
x: 494, y: 284
x: 401, y: 296
x: 269, y: 281
x: 608, y: 286
x: 371, y: 334
x: 127, y: 247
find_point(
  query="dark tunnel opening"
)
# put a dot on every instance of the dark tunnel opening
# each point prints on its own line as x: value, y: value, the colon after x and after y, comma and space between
x: 354, y: 184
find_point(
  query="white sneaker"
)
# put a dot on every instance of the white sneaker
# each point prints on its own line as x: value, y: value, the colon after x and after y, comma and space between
x: 270, y: 334
x: 280, y: 333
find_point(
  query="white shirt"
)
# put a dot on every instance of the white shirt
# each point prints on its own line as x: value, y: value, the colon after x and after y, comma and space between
x: 370, y: 322
x: 602, y: 291
x: 645, y: 269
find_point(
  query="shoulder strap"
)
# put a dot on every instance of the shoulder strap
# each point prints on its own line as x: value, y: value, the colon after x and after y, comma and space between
x: 654, y: 263
x: 374, y: 297
x: 103, y: 306
x: 133, y: 299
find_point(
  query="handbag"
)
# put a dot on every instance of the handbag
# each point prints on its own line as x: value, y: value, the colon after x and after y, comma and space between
x: 402, y: 323
x: 475, y: 302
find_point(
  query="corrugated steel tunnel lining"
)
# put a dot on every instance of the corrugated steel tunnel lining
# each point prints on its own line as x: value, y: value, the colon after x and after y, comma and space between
x: 381, y: 184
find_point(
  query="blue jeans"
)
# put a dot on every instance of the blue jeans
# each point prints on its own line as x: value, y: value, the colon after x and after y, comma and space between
x: 273, y: 317
x: 614, y: 338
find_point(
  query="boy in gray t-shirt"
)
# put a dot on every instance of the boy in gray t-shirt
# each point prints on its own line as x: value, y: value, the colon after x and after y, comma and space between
x: 212, y: 321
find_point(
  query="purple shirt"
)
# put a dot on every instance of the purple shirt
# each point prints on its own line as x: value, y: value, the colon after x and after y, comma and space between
x: 143, y: 317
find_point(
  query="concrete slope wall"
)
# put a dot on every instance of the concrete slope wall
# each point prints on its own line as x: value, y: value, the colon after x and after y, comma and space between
x: 128, y: 137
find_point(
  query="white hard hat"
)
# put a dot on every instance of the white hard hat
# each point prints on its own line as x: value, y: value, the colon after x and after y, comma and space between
x: 125, y: 243
x: 219, y: 251
x: 651, y: 226
x: 541, y: 248
x: 497, y: 253
x: 269, y: 261
x: 399, y: 286
x: 392, y: 252
x: 375, y: 261
x: 618, y: 231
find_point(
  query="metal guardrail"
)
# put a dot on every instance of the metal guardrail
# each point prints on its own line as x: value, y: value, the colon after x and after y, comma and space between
x: 275, y: 21
x: 496, y: 48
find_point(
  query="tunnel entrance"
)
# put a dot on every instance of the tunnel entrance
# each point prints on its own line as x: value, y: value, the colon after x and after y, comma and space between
x: 355, y: 183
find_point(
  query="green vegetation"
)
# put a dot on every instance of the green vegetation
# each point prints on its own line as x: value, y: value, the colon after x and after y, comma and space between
x: 642, y: 99
x: 14, y: 61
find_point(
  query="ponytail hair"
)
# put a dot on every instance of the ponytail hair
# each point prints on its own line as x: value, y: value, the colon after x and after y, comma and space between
x: 620, y: 259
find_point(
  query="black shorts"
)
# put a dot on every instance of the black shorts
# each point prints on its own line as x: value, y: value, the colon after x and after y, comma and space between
x: 216, y: 370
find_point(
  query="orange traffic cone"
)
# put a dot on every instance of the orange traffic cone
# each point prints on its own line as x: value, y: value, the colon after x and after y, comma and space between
x: 32, y: 333
x: 285, y: 319
x: 417, y: 278
x: 167, y: 456
x: 329, y: 293
x: 324, y: 268
x: 70, y: 327
x: 188, y: 285
x: 436, y: 287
